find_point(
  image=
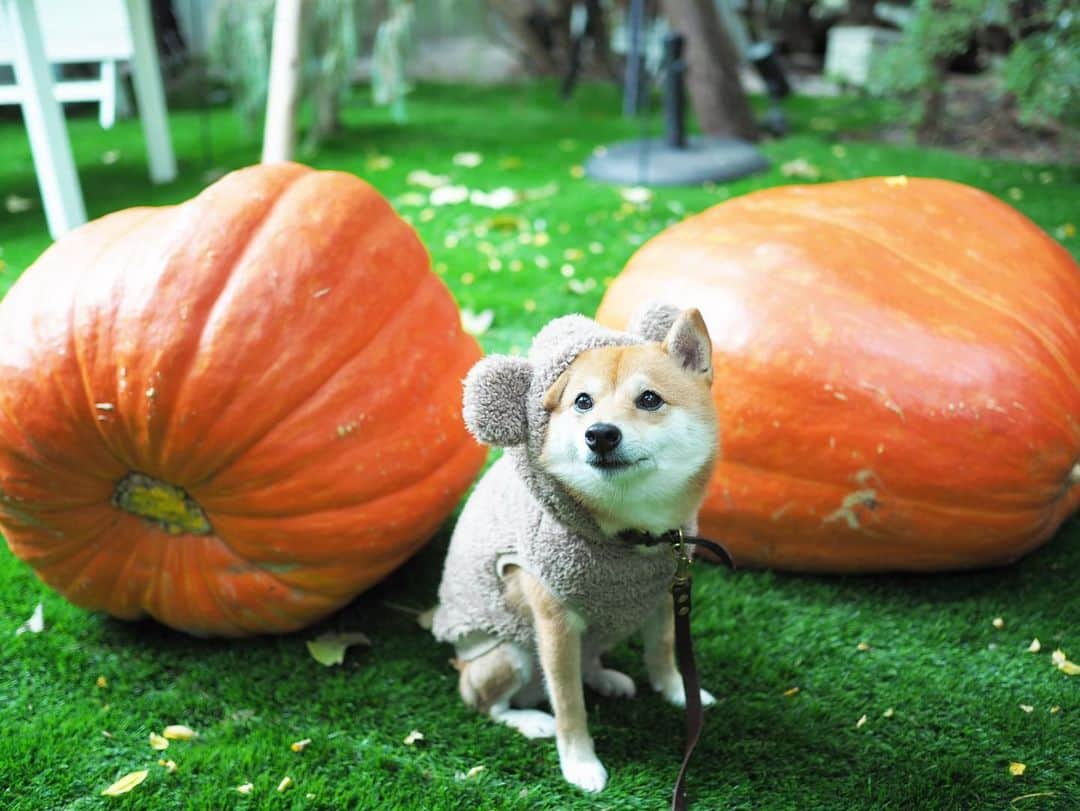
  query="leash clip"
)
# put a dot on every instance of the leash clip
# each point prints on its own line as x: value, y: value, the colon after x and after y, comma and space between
x: 682, y: 559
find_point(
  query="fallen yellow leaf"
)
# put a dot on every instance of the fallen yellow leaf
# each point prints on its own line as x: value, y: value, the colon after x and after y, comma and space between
x: 791, y: 691
x: 170, y: 765
x: 1062, y: 663
x: 158, y: 742
x: 862, y: 646
x: 1027, y: 708
x: 284, y: 784
x: 101, y: 682
x: 300, y: 746
x: 246, y: 788
x: 413, y: 737
x: 860, y: 722
x: 1035, y: 645
x: 998, y: 623
x: 1017, y: 769
x: 475, y: 770
x: 179, y: 732
x: 1055, y: 710
x: 329, y: 649
x: 125, y: 783
x: 889, y: 713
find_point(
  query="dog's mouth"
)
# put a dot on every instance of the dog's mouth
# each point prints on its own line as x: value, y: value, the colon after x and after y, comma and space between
x: 611, y: 463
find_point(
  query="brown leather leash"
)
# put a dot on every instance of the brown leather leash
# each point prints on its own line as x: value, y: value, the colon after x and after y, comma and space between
x: 684, y: 644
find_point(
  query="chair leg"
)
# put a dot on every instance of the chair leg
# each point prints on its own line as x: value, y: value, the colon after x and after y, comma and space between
x: 107, y: 105
x: 49, y: 143
x: 150, y: 94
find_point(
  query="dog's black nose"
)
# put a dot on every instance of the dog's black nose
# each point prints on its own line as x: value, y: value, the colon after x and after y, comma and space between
x: 603, y: 437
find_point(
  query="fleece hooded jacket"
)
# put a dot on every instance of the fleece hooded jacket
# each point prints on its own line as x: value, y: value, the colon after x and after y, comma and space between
x: 520, y: 515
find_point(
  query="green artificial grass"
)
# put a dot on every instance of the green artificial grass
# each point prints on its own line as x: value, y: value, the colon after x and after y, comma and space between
x: 939, y: 685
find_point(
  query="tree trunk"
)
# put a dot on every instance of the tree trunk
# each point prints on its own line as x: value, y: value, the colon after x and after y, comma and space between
x: 712, y: 74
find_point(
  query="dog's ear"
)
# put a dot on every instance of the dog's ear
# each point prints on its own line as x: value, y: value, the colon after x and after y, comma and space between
x: 689, y: 344
x: 653, y: 321
x: 494, y: 402
x: 555, y: 392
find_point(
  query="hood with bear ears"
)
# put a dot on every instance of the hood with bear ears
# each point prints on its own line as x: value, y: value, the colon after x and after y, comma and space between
x: 503, y: 402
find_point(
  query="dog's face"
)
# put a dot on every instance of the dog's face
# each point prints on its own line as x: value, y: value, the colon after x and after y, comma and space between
x: 633, y: 429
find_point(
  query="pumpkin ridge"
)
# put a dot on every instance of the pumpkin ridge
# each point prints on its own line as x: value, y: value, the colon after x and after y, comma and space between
x: 395, y: 313
x: 1040, y: 338
x: 76, y: 348
x: 286, y: 473
x: 300, y: 400
x: 234, y: 258
x: 892, y: 499
x: 464, y: 441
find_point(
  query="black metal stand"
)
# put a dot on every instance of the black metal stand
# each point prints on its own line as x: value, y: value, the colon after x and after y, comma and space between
x: 675, y: 159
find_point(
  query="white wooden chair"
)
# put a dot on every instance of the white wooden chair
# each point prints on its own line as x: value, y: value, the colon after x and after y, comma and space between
x: 88, y: 32
x: 35, y: 32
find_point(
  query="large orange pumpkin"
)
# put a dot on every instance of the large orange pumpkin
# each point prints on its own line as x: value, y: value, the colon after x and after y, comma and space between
x: 897, y: 372
x: 233, y: 414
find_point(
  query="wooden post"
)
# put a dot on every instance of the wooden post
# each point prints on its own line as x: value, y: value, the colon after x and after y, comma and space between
x: 49, y: 143
x: 279, y: 137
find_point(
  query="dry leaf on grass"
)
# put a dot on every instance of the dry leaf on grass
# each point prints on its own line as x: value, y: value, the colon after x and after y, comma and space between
x: 476, y: 323
x: 300, y: 746
x: 36, y: 623
x: 158, y: 742
x: 413, y: 737
x: 468, y: 159
x: 284, y: 784
x: 125, y: 783
x: 16, y: 204
x: 246, y: 788
x: 1028, y: 708
x: 1035, y: 645
x: 862, y: 647
x: 998, y: 623
x: 1062, y: 663
x: 889, y: 713
x: 469, y: 775
x: 1017, y: 769
x: 448, y: 195
x: 170, y: 765
x: 497, y: 198
x: 791, y: 691
x: 179, y: 732
x: 101, y: 682
x: 801, y: 168
x: 422, y: 177
x: 329, y: 649
x: 636, y: 195
x: 860, y: 722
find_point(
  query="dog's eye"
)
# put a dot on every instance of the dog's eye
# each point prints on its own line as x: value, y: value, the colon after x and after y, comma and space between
x: 649, y: 400
x: 583, y: 402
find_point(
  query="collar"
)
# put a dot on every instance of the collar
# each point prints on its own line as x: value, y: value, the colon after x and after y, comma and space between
x: 676, y: 537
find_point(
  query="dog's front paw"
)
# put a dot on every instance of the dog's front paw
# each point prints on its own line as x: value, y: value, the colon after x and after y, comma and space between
x: 584, y: 770
x: 611, y: 683
x: 672, y: 690
x: 530, y: 723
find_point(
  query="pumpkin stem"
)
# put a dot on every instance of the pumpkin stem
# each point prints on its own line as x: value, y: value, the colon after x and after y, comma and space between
x: 166, y: 505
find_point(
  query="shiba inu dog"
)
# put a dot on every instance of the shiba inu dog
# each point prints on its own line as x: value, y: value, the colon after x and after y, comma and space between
x: 611, y: 438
